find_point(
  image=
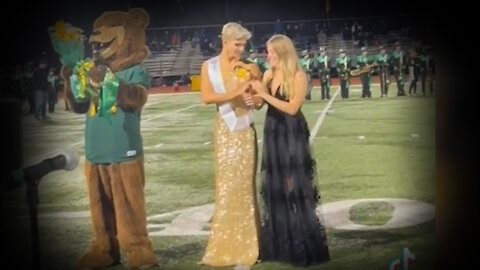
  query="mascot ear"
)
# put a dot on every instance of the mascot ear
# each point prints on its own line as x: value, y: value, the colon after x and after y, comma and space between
x: 139, y: 16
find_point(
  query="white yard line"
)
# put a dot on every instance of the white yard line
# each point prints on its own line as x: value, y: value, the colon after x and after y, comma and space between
x: 39, y: 158
x: 321, y: 117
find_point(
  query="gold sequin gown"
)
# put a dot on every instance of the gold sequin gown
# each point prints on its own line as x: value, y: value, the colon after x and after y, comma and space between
x: 235, y: 223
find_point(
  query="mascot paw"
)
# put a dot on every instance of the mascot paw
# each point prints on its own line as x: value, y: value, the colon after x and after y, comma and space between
x: 141, y: 258
x: 97, y: 73
x: 65, y: 72
x: 95, y: 260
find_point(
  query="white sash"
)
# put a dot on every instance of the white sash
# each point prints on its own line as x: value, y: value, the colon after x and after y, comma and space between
x: 226, y: 110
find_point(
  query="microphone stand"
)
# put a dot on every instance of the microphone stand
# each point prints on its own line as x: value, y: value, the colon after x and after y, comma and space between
x: 32, y: 202
x: 32, y: 176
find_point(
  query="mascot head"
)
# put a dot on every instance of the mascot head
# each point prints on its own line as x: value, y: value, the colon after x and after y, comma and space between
x: 118, y: 38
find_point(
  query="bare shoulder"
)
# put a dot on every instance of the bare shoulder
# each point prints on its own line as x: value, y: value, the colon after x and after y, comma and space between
x: 205, y: 64
x: 204, y: 68
x: 300, y: 75
x: 268, y: 74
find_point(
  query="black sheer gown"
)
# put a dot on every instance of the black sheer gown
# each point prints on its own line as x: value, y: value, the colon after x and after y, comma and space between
x: 291, y: 230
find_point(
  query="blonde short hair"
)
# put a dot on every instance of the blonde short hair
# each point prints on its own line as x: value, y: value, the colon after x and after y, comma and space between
x: 234, y: 31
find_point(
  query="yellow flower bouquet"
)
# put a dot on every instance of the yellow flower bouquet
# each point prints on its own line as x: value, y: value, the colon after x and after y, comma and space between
x: 68, y: 42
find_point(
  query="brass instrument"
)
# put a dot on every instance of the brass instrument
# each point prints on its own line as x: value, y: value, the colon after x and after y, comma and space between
x: 362, y: 70
x: 344, y: 70
x: 325, y: 71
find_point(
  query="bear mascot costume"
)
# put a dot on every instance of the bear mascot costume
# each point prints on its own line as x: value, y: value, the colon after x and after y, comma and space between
x: 111, y: 90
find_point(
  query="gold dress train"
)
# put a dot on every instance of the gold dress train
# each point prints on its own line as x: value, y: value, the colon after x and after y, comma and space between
x: 235, y: 224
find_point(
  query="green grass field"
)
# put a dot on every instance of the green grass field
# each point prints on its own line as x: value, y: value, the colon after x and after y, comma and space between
x: 365, y: 148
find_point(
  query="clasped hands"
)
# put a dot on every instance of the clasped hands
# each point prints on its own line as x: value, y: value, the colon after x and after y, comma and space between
x: 251, y: 92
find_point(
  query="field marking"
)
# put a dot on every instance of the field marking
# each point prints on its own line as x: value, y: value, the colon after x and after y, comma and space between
x: 196, y: 220
x: 171, y: 112
x: 39, y: 158
x: 321, y: 117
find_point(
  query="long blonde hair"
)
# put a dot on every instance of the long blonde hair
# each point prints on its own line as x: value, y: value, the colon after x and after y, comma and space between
x: 288, y: 63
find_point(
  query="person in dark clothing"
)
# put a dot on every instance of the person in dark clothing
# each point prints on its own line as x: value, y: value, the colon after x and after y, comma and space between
x: 398, y: 61
x: 426, y: 68
x: 40, y: 88
x: 29, y: 87
x: 52, y: 90
x: 414, y: 62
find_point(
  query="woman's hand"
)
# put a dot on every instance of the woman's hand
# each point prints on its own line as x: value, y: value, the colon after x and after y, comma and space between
x: 259, y: 88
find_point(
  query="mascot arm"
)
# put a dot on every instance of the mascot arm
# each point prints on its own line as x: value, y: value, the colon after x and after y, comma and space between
x: 131, y: 96
x: 77, y: 107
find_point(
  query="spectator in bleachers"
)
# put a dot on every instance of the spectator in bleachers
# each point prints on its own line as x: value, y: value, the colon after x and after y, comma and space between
x: 204, y: 46
x: 365, y: 38
x: 175, y: 39
x: 296, y: 33
x: 327, y: 29
x: 355, y: 29
x: 154, y: 45
x: 212, y: 48
x: 316, y: 28
x: 289, y: 31
x: 195, y: 39
x: 321, y: 36
x: 302, y: 34
x: 185, y: 35
x: 278, y: 27
x: 376, y: 41
x: 166, y: 38
x: 346, y: 32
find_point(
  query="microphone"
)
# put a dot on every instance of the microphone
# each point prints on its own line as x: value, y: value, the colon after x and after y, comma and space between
x: 67, y: 159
